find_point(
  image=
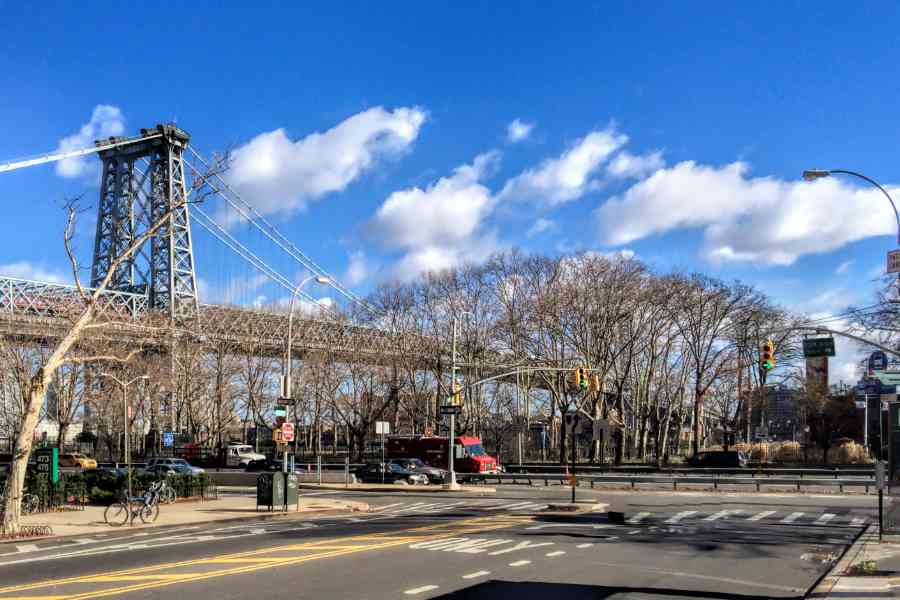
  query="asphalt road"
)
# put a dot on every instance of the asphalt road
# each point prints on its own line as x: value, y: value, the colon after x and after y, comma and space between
x: 433, y: 545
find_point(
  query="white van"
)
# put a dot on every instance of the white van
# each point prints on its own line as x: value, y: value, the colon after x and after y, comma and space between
x: 238, y: 455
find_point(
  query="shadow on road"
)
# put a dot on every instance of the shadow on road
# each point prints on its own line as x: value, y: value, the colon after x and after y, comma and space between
x: 523, y: 590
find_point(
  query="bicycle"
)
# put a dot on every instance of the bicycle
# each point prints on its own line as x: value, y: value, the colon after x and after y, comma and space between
x: 145, y: 507
x: 167, y: 493
x: 30, y: 503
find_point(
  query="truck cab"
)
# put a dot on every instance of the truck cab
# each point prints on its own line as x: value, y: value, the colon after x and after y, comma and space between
x: 238, y: 455
x: 468, y: 457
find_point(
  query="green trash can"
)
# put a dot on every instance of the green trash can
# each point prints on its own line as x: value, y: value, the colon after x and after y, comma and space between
x: 292, y: 490
x: 271, y: 490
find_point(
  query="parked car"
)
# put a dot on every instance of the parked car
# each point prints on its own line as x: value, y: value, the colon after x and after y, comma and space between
x: 269, y: 465
x: 74, y: 459
x: 392, y: 473
x: 434, y: 474
x: 178, y: 464
x: 719, y: 459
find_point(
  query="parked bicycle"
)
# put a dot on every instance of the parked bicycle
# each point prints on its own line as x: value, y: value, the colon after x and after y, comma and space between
x: 30, y: 503
x: 145, y: 507
x: 167, y: 493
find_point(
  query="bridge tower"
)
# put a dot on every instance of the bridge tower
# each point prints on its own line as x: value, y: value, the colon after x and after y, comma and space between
x: 142, y: 180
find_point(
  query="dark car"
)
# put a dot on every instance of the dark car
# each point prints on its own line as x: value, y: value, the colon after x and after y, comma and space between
x: 392, y: 473
x: 268, y: 465
x: 718, y: 459
x: 416, y: 465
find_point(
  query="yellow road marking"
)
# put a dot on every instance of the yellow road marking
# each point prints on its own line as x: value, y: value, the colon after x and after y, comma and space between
x: 334, y: 547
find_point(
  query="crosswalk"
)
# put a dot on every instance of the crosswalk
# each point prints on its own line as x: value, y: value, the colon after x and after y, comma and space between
x: 637, y: 518
x: 425, y: 508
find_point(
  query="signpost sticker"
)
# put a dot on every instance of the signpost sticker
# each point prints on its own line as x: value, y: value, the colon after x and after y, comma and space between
x: 893, y: 261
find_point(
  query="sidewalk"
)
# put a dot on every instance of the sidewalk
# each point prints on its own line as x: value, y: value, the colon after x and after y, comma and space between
x: 869, y: 569
x: 90, y: 520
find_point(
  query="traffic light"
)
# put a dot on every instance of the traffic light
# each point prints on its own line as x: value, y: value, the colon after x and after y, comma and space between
x: 456, y: 399
x: 577, y: 377
x: 595, y: 383
x: 280, y: 415
x: 585, y: 378
x: 767, y: 356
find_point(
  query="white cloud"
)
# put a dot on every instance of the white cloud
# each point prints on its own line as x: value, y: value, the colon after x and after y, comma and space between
x: 763, y: 219
x: 540, y: 226
x: 357, y: 269
x: 277, y: 174
x: 518, y: 130
x: 844, y: 267
x: 439, y: 226
x: 27, y: 270
x: 626, y: 165
x: 106, y: 121
x: 569, y: 176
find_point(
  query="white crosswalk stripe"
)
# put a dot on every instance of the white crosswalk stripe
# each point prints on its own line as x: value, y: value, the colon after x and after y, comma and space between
x: 717, y: 516
x: 825, y: 518
x: 682, y: 515
x: 792, y: 517
x: 857, y: 521
x: 762, y: 515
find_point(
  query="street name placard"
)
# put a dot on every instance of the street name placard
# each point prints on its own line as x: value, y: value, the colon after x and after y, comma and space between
x: 893, y: 261
x: 450, y: 409
x: 817, y: 347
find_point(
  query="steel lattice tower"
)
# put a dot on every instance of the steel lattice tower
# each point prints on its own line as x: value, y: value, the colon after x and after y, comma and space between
x: 141, y: 181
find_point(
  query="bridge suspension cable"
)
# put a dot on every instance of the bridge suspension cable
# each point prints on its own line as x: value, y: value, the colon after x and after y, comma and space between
x: 22, y: 163
x: 249, y: 213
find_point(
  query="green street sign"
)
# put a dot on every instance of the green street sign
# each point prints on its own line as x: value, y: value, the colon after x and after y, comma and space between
x: 280, y: 411
x: 817, y: 347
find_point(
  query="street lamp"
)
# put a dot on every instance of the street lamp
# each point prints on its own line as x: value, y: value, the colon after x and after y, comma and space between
x: 285, y: 369
x: 286, y: 365
x: 124, y: 386
x: 452, y: 485
x: 813, y: 174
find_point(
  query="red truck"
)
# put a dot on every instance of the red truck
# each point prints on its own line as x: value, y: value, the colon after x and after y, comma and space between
x: 470, y: 456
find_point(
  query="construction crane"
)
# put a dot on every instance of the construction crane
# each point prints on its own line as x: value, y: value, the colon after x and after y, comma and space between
x: 100, y: 146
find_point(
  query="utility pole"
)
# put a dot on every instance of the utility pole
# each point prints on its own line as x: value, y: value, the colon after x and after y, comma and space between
x: 452, y: 485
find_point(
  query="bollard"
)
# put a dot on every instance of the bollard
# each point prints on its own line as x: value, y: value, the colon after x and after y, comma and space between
x: 347, y: 471
x: 319, y: 468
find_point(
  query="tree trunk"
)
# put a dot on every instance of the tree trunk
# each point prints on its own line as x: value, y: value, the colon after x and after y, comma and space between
x: 695, y: 442
x: 15, y: 479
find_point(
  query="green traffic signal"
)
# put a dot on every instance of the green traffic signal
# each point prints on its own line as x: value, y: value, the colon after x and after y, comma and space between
x: 768, y: 366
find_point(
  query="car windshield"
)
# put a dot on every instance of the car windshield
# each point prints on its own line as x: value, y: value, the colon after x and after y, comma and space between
x: 475, y: 450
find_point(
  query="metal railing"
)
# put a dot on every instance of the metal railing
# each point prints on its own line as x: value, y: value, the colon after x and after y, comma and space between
x: 714, y: 480
x: 800, y: 472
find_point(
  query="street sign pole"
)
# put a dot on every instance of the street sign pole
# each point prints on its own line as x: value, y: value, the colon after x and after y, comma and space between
x: 574, y: 480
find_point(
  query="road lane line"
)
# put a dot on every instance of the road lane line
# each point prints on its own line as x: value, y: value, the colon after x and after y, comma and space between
x: 476, y: 574
x: 762, y: 515
x: 27, y: 548
x: 520, y: 563
x: 419, y: 590
x: 557, y: 553
x: 381, y: 508
x: 825, y: 518
x: 857, y: 521
x: 638, y: 518
x: 682, y: 515
x: 792, y: 517
x: 584, y: 545
x: 378, y: 541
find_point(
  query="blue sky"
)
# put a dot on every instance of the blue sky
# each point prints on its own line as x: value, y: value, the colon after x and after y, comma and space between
x: 676, y: 131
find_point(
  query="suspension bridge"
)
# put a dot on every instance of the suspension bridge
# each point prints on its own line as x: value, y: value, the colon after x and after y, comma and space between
x: 154, y: 297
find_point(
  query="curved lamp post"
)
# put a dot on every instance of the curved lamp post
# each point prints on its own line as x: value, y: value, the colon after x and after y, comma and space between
x: 286, y: 370
x: 813, y: 174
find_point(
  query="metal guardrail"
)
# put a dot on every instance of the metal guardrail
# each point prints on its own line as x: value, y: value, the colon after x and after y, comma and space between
x: 634, y: 480
x: 746, y: 471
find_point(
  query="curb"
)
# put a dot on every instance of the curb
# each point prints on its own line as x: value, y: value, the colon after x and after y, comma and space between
x: 823, y: 587
x: 574, y: 509
x: 403, y: 489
